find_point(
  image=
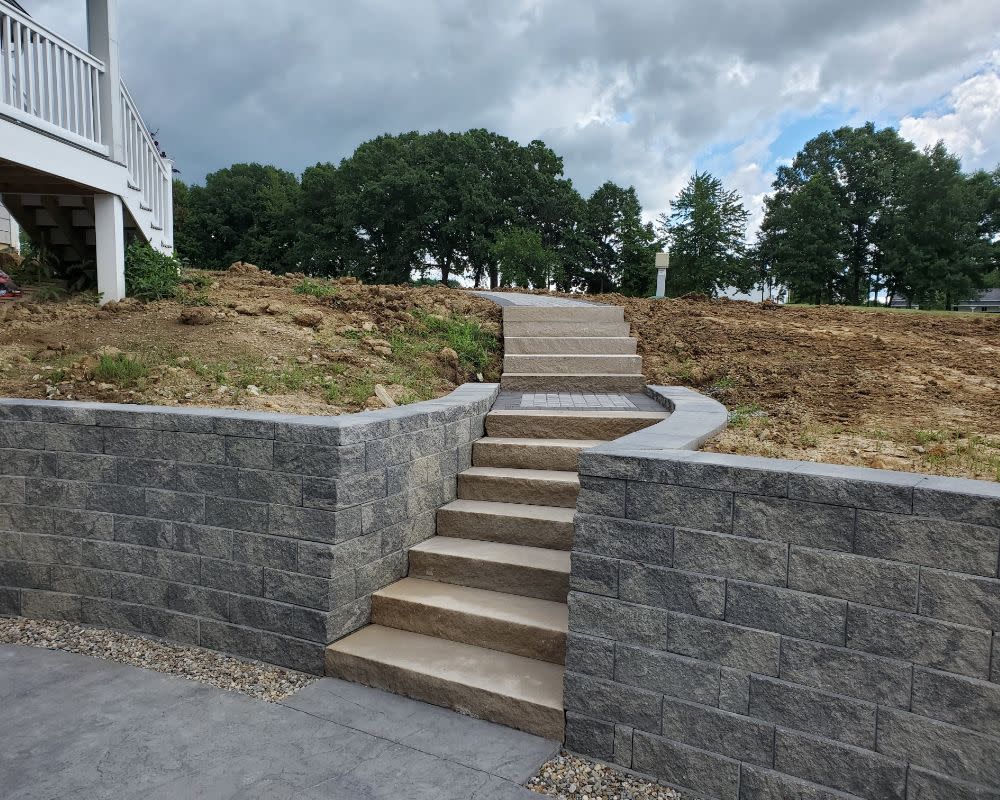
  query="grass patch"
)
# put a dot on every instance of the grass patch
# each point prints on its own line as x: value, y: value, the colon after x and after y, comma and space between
x: 120, y: 369
x: 741, y: 416
x: 316, y: 288
x: 475, y: 346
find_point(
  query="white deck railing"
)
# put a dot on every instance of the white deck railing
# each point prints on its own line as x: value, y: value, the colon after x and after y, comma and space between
x: 48, y: 82
x: 147, y: 170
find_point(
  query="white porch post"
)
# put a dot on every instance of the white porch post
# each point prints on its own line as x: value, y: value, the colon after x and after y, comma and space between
x: 102, y: 39
x: 109, y: 222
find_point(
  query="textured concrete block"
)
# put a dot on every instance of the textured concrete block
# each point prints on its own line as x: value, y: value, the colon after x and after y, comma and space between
x: 229, y: 638
x: 958, y: 499
x: 87, y: 467
x: 590, y: 655
x: 680, y: 506
x: 758, y: 784
x: 687, y: 767
x: 249, y: 453
x: 594, y: 574
x: 167, y: 624
x: 839, y: 766
x: 591, y: 737
x: 22, y: 435
x: 937, y: 543
x: 942, y: 645
x: 38, y: 604
x: 81, y: 580
x: 315, y: 524
x: 601, y: 496
x: 872, y: 581
x: 734, y: 691
x: 114, y: 556
x: 56, y: 493
x: 966, y: 702
x: 795, y: 522
x: 265, y: 551
x: 347, y: 619
x: 132, y: 442
x: 408, y: 533
x: 378, y: 574
x: 354, y: 490
x: 85, y: 524
x: 232, y: 576
x: 956, y: 752
x: 178, y: 567
x: 110, y: 614
x: 701, y: 595
x: 28, y: 519
x: 116, y: 499
x: 34, y: 463
x: 842, y: 671
x: 927, y: 785
x: 297, y: 654
x: 143, y: 531
x: 198, y: 601
x: 960, y: 598
x: 151, y: 473
x: 624, y: 539
x: 10, y: 546
x: 193, y: 448
x: 269, y: 487
x: 202, y: 540
x: 215, y: 480
x: 857, y: 487
x: 240, y: 515
x: 791, y: 613
x: 614, y: 619
x: 613, y: 702
x: 827, y: 715
x: 74, y: 438
x: 10, y: 602
x: 302, y: 623
x: 666, y: 673
x: 308, y: 459
x: 17, y: 574
x: 724, y: 643
x: 623, y: 746
x: 722, y: 732
x: 163, y: 504
x: 326, y: 560
x: 738, y: 557
x: 51, y: 549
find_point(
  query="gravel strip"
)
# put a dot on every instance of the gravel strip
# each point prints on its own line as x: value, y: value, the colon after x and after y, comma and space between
x: 570, y: 777
x: 254, y: 679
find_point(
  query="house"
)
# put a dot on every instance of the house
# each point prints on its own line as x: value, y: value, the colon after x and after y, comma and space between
x: 985, y: 302
x: 10, y: 238
x: 79, y: 169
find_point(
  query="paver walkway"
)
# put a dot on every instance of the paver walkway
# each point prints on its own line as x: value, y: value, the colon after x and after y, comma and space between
x: 80, y: 728
x: 536, y: 300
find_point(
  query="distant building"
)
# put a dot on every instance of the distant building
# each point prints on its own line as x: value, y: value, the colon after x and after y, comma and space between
x: 10, y: 237
x: 986, y: 302
x: 758, y: 294
x: 898, y: 301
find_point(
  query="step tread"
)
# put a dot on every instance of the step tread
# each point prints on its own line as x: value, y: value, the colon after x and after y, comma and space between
x: 549, y: 475
x: 572, y: 374
x: 569, y: 444
x: 518, y: 510
x: 579, y: 412
x: 526, y: 679
x: 498, y: 606
x: 517, y: 555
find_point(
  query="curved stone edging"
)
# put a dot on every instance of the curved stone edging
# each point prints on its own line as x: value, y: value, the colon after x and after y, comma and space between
x: 259, y: 534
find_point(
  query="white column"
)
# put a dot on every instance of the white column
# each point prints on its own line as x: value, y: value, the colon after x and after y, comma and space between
x: 109, y: 221
x: 102, y: 39
x: 662, y: 263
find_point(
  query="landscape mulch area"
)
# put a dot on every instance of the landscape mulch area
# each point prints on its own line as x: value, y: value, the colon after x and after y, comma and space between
x: 570, y: 777
x: 254, y: 679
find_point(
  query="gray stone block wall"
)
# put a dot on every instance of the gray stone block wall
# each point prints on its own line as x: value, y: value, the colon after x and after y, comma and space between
x: 262, y: 535
x: 748, y: 628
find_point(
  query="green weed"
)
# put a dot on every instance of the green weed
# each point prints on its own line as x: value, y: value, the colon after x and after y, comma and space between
x: 316, y: 288
x: 120, y: 369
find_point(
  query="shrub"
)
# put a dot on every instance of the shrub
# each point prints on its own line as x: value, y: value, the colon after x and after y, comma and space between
x: 119, y: 369
x: 149, y: 274
x: 316, y: 288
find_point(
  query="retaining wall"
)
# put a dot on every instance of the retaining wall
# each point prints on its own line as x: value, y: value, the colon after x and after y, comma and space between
x: 752, y: 628
x: 262, y: 535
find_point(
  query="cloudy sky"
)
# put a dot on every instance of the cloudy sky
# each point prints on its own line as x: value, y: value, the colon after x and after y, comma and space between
x: 641, y: 92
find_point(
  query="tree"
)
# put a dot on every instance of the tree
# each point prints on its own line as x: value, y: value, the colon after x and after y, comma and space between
x: 622, y: 247
x: 706, y: 230
x: 523, y: 259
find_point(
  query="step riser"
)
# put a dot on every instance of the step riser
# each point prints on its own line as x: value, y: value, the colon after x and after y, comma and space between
x: 509, y: 637
x: 573, y: 364
x: 563, y: 314
x: 475, y: 702
x: 573, y: 329
x: 497, y: 577
x: 512, y: 490
x: 517, y: 382
x: 485, y: 454
x: 531, y: 426
x: 585, y: 345
x: 505, y: 529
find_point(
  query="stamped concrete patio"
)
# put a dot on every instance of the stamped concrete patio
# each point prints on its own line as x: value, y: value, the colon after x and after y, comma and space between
x: 79, y: 727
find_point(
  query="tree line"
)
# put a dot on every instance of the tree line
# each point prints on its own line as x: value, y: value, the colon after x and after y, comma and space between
x: 859, y: 214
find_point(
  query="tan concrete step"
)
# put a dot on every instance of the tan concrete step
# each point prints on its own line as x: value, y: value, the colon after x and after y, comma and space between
x: 573, y: 364
x: 508, y: 568
x: 593, y: 345
x: 500, y: 687
x: 539, y: 487
x: 555, y: 454
x: 569, y: 423
x: 524, y: 626
x: 508, y: 523
x: 563, y: 314
x: 574, y: 329
x: 555, y: 382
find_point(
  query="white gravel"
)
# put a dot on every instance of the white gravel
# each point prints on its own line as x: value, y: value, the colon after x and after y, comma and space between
x: 257, y: 680
x: 570, y: 777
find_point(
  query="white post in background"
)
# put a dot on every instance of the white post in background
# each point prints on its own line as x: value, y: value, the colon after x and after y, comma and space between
x: 109, y: 222
x: 102, y: 41
x: 662, y: 263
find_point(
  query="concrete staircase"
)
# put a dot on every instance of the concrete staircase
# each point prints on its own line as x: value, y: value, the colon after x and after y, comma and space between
x: 582, y: 348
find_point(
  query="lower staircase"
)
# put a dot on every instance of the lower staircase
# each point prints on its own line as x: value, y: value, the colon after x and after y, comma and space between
x: 479, y: 624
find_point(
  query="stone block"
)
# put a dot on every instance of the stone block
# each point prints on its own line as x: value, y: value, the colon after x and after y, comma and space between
x: 304, y: 590
x: 327, y: 560
x: 87, y: 467
x: 85, y: 524
x: 29, y: 519
x: 167, y: 624
x: 958, y: 499
x: 265, y: 615
x: 936, y: 543
x: 143, y: 531
x: 622, y: 754
x: 613, y: 702
x: 805, y: 616
x: 369, y: 578
x: 10, y: 546
x: 249, y: 453
x: 115, y: 499
x: 74, y: 438
x: 22, y: 435
x: 246, y: 425
x: 965, y: 702
x: 591, y: 737
x: 943, y: 645
x: 38, y: 604
x: 55, y: 493
x: 590, y: 655
x: 666, y: 673
x: 408, y: 533
x: 133, y: 442
x: 856, y: 487
x: 315, y: 524
x: 196, y: 600
x: 202, y: 540
x: 81, y: 580
x: 240, y: 515
x: 761, y: 784
x: 165, y: 504
x: 860, y: 579
x: 229, y: 638
x: 317, y: 460
x: 232, y: 576
x: 613, y: 619
x: 690, y: 593
x: 794, y: 521
x: 111, y: 614
x: 707, y: 773
x: 17, y: 574
x: 145, y: 472
x: 601, y: 496
x: 347, y: 619
x: 752, y: 560
x: 927, y: 785
x: 848, y: 672
x: 297, y: 654
x: 724, y: 643
x: 193, y: 448
x: 34, y: 463
x: 594, y: 574
x: 960, y: 598
x: 51, y: 549
x: 828, y: 715
x: 115, y: 556
x: 269, y: 487
x: 215, y: 480
x: 334, y: 495
x: 680, y: 506
x: 734, y: 691
x: 722, y: 732
x: 10, y: 602
x: 171, y: 566
x: 265, y: 551
x: 839, y: 766
x: 624, y: 539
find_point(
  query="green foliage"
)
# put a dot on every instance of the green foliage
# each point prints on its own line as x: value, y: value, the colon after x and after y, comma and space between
x: 523, y: 259
x: 316, y: 288
x: 149, y: 274
x: 119, y: 369
x: 475, y: 347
